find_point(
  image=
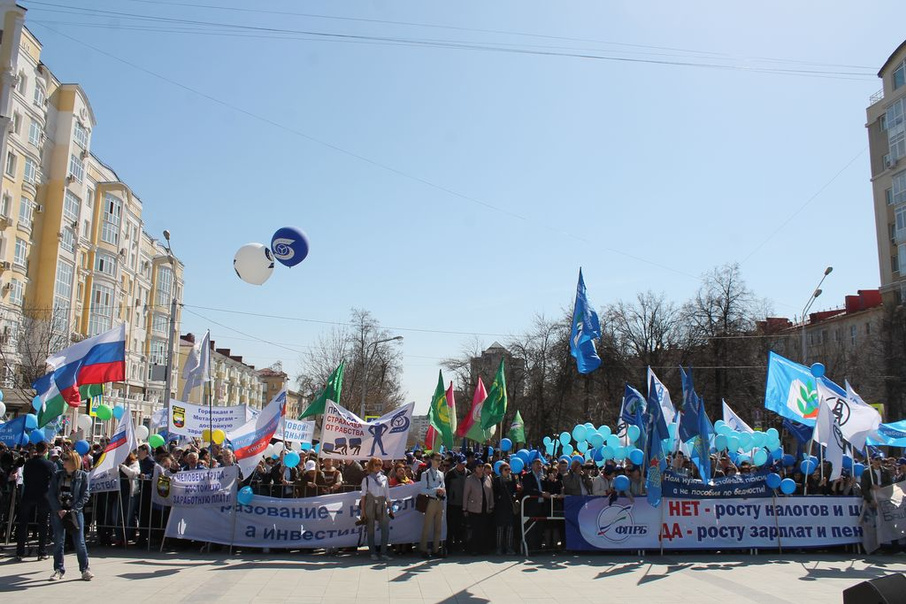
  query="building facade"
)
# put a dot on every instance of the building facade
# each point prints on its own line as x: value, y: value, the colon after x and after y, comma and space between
x: 75, y: 259
x: 273, y: 380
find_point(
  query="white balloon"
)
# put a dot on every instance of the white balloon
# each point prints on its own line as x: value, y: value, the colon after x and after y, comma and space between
x: 85, y: 423
x: 141, y: 432
x: 296, y: 445
x: 269, y: 451
x: 254, y: 263
x: 2, y: 408
x: 278, y: 448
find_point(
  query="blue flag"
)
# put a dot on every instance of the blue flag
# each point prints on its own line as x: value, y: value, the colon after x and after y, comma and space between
x: 633, y: 406
x: 689, y: 422
x: 11, y: 432
x: 791, y: 390
x: 802, y: 432
x: 701, y: 452
x: 584, y: 332
x: 892, y: 434
x: 657, y: 432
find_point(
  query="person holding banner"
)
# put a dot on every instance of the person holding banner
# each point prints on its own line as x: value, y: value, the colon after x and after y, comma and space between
x: 67, y: 496
x: 375, y: 506
x: 432, y: 481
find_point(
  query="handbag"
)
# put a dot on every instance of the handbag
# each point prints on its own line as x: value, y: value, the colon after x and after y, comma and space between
x: 421, y: 503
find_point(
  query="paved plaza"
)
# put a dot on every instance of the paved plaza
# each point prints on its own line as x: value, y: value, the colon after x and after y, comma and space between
x: 567, y: 578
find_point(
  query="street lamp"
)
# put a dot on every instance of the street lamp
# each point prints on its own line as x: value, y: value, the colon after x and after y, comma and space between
x: 808, y: 306
x: 365, y: 361
x: 171, y: 339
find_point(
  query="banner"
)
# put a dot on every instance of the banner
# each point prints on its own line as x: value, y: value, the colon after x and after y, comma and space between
x: 105, y: 476
x: 741, y: 485
x: 294, y: 430
x: 201, y: 488
x: 891, y: 521
x: 794, y: 522
x: 344, y: 435
x: 186, y: 419
x: 251, y: 438
x: 313, y: 522
x: 11, y: 432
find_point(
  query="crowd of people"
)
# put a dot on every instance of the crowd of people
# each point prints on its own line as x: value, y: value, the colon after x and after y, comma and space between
x: 481, y: 498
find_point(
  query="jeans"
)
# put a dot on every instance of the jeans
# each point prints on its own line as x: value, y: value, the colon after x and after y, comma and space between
x: 26, y: 509
x: 376, y: 511
x: 59, y: 542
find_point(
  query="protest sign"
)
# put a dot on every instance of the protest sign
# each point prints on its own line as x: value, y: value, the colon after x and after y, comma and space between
x: 186, y: 419
x: 294, y: 430
x: 206, y: 487
x: 344, y: 435
x: 891, y: 519
x: 741, y: 485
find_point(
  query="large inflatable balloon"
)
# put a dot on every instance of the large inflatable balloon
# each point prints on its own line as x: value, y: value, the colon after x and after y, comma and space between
x: 289, y: 246
x: 84, y: 423
x: 253, y: 263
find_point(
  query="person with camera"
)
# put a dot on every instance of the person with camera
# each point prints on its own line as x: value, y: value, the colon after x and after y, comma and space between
x: 67, y: 496
x: 432, y: 483
x: 375, y: 506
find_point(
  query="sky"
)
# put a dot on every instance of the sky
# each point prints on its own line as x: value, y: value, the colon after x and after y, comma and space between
x: 454, y: 164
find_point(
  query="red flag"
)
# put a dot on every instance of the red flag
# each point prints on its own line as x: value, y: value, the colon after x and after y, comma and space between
x: 474, y: 411
x: 430, y: 437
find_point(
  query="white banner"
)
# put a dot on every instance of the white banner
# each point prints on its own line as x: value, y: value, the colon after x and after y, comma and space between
x: 294, y: 430
x: 344, y: 435
x: 891, y: 521
x: 214, y: 487
x: 106, y: 473
x: 314, y: 522
x: 186, y: 419
x: 250, y: 439
x: 794, y: 522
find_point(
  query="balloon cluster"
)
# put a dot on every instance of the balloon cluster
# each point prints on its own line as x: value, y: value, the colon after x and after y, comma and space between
x: 597, y: 444
x: 254, y: 262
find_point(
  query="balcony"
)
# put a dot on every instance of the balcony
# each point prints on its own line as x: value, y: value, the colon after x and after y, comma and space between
x: 878, y: 96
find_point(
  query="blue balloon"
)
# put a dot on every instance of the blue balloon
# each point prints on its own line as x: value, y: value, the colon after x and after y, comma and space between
x: 567, y: 449
x: 564, y: 458
x: 582, y: 446
x: 596, y: 440
x: 607, y: 452
x: 773, y: 480
x: 858, y: 469
x: 787, y: 486
x: 720, y: 442
x: 506, y: 444
x: 36, y: 436
x: 789, y: 461
x: 777, y: 454
x: 291, y: 459
x: 808, y: 466
x: 605, y: 431
x: 596, y: 454
x: 760, y: 457
x: 546, y: 440
x: 621, y: 483
x: 636, y: 456
x: 817, y: 369
x: 497, y: 465
x: 613, y: 441
x: 579, y: 433
x: 118, y: 412
x: 516, y: 464
x: 82, y: 447
x: 245, y: 495
x: 36, y: 403
x: 289, y: 246
x: 549, y: 448
x: 306, y: 446
x: 564, y: 438
x: 633, y: 433
x: 31, y: 421
x: 847, y: 462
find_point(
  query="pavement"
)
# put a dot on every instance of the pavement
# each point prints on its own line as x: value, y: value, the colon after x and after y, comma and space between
x: 138, y: 576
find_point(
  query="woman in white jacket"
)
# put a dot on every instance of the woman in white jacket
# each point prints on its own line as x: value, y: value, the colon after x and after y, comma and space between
x: 130, y: 470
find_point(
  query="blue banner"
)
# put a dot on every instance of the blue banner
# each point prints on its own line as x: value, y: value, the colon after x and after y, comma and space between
x: 892, y: 434
x: 741, y: 485
x: 11, y: 432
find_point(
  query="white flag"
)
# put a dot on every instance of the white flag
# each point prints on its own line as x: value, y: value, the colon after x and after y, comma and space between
x: 863, y: 419
x: 663, y: 397
x: 827, y: 428
x: 198, y: 366
x: 250, y: 440
x: 105, y: 474
x: 734, y: 421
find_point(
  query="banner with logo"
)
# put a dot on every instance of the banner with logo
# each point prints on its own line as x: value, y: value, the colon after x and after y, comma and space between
x: 186, y: 419
x: 250, y: 440
x: 344, y: 435
x: 313, y: 522
x: 592, y: 523
x: 295, y: 430
x: 208, y: 487
x: 891, y: 520
x: 727, y: 487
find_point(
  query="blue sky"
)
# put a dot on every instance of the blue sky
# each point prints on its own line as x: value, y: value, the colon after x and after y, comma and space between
x: 507, y: 170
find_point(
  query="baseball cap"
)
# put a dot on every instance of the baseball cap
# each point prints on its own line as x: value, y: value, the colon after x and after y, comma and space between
x: 310, y: 465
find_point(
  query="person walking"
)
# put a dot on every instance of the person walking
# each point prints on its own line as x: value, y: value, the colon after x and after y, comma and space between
x: 375, y: 505
x: 67, y: 496
x: 36, y: 475
x: 432, y: 483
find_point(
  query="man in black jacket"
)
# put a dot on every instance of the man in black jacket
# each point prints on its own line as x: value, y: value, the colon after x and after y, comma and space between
x: 36, y: 475
x: 874, y: 476
x: 455, y: 481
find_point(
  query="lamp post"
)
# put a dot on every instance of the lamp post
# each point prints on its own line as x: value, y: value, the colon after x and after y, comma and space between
x: 171, y: 338
x: 808, y: 306
x: 365, y: 361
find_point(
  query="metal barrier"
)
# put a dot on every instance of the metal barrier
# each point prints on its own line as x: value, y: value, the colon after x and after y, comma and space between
x: 534, y: 520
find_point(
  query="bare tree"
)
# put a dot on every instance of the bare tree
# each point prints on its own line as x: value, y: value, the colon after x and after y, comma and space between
x: 647, y: 329
x: 31, y: 338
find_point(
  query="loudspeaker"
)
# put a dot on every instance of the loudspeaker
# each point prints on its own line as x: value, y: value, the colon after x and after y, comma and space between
x: 890, y: 589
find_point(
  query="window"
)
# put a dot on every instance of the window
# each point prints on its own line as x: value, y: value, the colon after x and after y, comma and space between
x: 157, y: 353
x: 76, y: 169
x: 164, y: 285
x: 899, y: 187
x: 888, y: 196
x: 882, y: 123
x: 21, y: 252
x: 80, y: 135
x: 101, y: 309
x: 852, y: 335
x: 159, y: 324
x: 899, y: 76
x: 34, y: 133
x: 22, y: 84
x: 10, y: 164
x: 17, y: 121
x: 39, y: 95
x: 67, y: 239
x: 896, y: 129
x: 4, y: 204
x: 105, y: 263
x: 31, y: 171
x: 894, y: 264
x: 86, y: 229
x: 868, y: 328
x: 62, y: 300
x: 71, y: 204
x: 901, y: 255
x: 113, y: 207
x: 90, y: 200
x: 16, y: 292
x: 26, y: 213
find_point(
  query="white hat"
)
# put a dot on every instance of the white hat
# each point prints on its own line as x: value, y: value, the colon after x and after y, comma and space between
x: 310, y: 465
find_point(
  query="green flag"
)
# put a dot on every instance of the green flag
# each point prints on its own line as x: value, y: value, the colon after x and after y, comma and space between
x: 55, y: 406
x: 494, y: 407
x: 517, y: 429
x: 330, y: 392
x: 442, y: 412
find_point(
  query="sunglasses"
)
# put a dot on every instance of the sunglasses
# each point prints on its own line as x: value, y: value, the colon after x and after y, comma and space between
x: 504, y: 469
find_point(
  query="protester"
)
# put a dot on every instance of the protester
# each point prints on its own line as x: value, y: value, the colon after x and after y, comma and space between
x: 400, y: 476
x: 330, y: 479
x: 375, y: 506
x: 432, y: 483
x: 455, y: 480
x: 37, y: 473
x: 131, y: 470
x: 575, y: 482
x: 603, y: 482
x: 505, y: 508
x: 478, y: 506
x: 67, y: 496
